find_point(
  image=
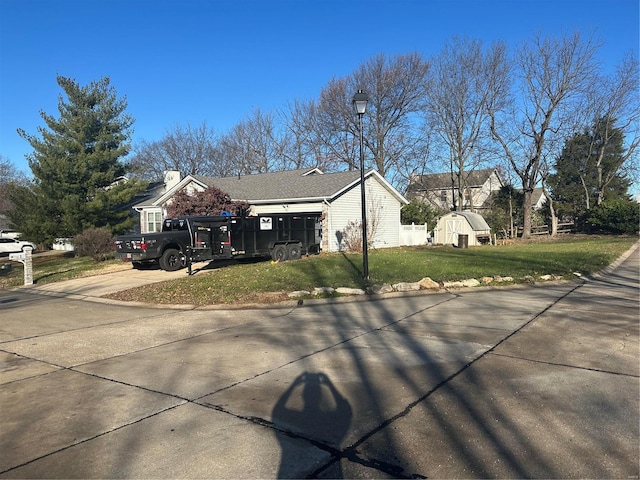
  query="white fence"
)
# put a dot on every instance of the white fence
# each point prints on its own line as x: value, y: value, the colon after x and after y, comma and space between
x: 414, y: 234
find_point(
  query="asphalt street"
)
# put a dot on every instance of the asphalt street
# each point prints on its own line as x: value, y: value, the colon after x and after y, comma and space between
x: 540, y: 381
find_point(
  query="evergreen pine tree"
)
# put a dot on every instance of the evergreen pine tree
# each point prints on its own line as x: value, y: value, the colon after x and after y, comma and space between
x: 77, y: 168
x: 582, y: 179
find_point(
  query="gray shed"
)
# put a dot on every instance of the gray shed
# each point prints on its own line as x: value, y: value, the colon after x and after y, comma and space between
x: 452, y: 224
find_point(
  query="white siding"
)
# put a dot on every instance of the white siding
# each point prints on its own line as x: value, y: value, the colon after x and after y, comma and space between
x: 381, y: 207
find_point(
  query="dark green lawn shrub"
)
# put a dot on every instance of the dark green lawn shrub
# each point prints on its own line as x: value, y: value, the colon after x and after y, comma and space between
x: 614, y: 216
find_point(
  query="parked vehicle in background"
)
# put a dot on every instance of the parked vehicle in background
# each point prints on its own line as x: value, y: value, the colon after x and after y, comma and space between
x: 11, y: 245
x: 9, y: 234
x: 281, y: 237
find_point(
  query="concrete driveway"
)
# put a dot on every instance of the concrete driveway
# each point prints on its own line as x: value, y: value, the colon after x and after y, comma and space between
x: 539, y: 382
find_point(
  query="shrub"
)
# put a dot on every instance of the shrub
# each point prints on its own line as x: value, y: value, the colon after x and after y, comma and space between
x: 614, y: 216
x: 96, y: 243
x: 419, y: 212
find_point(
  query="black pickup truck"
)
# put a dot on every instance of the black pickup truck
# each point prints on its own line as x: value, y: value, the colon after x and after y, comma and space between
x: 281, y: 237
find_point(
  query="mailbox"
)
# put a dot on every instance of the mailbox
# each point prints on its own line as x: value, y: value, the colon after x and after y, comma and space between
x: 17, y: 257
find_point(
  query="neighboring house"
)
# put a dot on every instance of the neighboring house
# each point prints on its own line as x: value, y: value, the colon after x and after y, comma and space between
x: 335, y: 197
x: 538, y: 199
x: 453, y: 224
x: 439, y: 190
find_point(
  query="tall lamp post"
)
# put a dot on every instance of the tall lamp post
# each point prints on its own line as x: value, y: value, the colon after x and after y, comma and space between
x: 360, y: 106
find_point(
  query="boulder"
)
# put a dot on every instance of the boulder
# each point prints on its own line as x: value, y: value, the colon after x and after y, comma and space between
x: 323, y: 290
x: 350, y: 291
x: 378, y: 289
x: 406, y: 286
x: 429, y: 284
x: 298, y: 294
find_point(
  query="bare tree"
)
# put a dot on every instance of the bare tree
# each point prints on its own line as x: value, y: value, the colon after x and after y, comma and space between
x: 303, y: 140
x: 334, y: 125
x: 190, y: 150
x: 555, y: 74
x: 396, y: 89
x: 252, y: 146
x: 8, y: 174
x: 615, y: 110
x: 464, y: 80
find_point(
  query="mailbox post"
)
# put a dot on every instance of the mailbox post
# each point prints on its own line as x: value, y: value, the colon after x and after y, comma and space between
x: 26, y: 258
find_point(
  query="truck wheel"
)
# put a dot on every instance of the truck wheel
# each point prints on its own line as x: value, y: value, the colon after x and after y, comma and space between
x: 279, y: 253
x: 172, y: 260
x: 294, y: 251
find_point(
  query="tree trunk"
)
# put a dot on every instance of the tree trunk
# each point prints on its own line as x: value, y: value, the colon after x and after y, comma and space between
x: 527, y: 210
x: 512, y: 233
x: 554, y: 218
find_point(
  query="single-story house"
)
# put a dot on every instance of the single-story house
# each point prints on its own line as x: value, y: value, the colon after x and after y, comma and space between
x: 334, y: 197
x: 453, y: 224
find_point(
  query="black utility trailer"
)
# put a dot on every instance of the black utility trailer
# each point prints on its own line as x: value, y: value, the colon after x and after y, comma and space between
x: 281, y: 237
x: 199, y: 238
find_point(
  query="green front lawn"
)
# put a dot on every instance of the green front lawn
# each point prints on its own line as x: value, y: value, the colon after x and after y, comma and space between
x: 267, y: 281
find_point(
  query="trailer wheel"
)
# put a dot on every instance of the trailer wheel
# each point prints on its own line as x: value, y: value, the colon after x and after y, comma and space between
x: 294, y: 251
x: 172, y: 260
x: 279, y: 253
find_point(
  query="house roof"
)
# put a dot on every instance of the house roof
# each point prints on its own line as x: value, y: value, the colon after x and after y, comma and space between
x: 289, y: 185
x: 285, y: 186
x: 440, y: 181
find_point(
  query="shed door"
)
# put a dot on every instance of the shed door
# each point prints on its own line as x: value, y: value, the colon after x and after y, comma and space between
x: 451, y: 230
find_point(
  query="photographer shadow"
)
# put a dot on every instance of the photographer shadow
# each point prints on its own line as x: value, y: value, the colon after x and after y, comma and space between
x: 310, y: 408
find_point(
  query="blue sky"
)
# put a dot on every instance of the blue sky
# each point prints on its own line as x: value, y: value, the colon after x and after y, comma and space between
x: 189, y: 61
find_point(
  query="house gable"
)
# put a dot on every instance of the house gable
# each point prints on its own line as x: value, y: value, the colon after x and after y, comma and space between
x: 440, y: 189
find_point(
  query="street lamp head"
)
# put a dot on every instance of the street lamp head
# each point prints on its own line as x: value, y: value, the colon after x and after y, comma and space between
x: 360, y: 100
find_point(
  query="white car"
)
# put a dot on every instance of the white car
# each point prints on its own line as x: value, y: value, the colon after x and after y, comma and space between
x: 11, y: 245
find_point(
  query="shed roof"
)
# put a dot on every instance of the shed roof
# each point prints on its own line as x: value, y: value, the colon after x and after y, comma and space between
x: 476, y: 221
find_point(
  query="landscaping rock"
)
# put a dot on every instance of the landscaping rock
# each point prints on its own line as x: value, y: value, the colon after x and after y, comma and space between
x: 406, y: 286
x: 379, y: 289
x: 323, y: 290
x: 298, y: 294
x: 456, y: 284
x: 350, y: 291
x: 429, y: 284
x: 471, y: 282
x: 500, y: 279
x: 487, y: 280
